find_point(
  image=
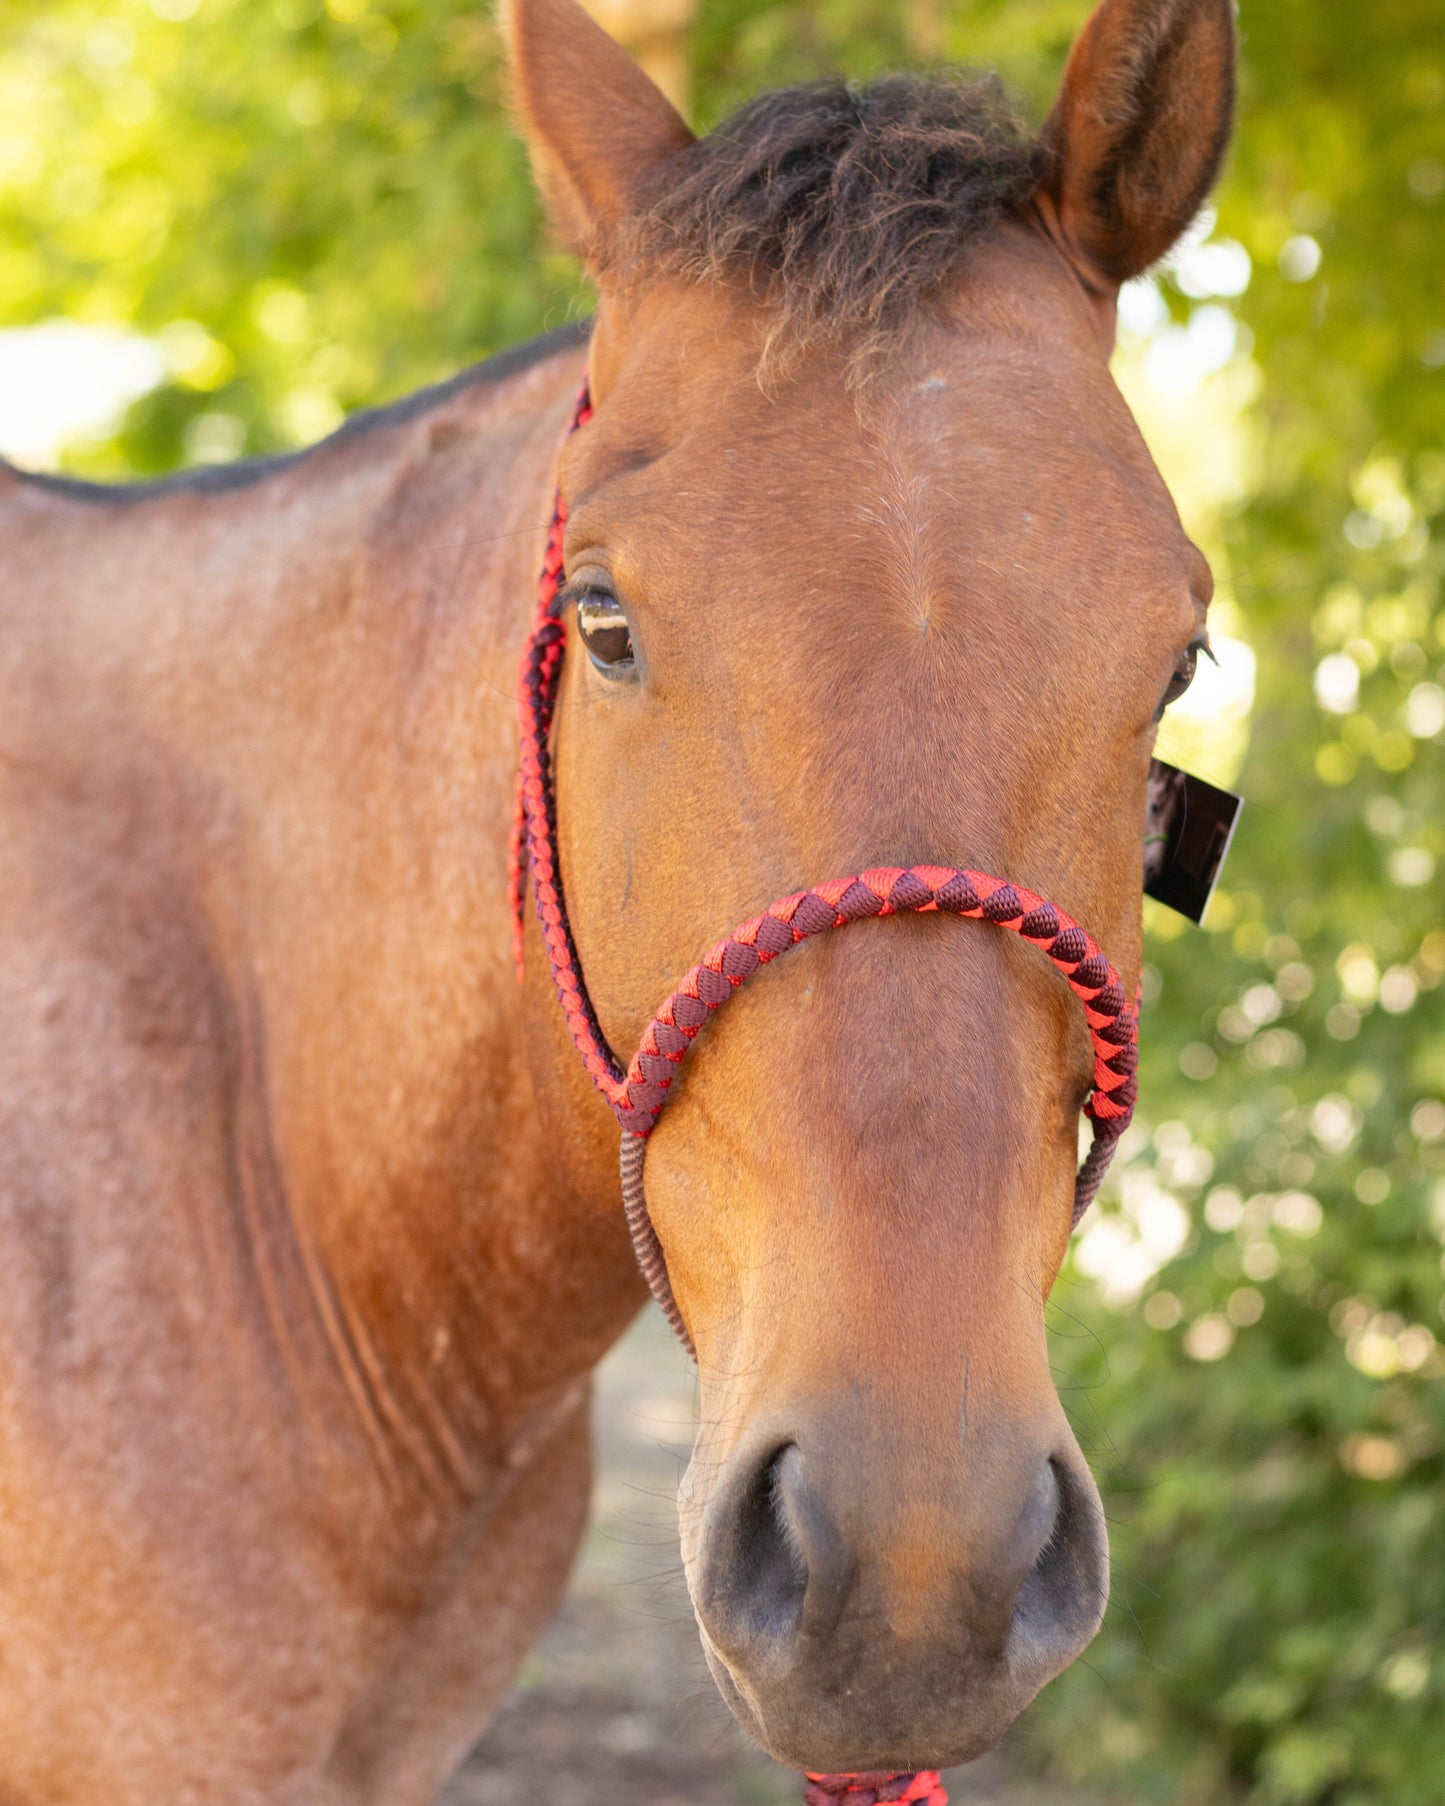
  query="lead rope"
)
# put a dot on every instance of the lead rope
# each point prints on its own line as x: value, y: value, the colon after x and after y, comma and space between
x: 922, y: 1786
x: 638, y: 1093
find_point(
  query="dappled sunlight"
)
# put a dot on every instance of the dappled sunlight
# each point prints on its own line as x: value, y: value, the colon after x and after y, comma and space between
x: 63, y: 383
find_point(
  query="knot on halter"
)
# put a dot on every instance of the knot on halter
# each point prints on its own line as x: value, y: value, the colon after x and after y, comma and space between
x: 638, y: 1093
x: 924, y: 1788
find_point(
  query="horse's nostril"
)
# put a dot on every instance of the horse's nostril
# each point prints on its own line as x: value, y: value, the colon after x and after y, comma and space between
x: 755, y: 1574
x: 1063, y: 1595
x: 775, y: 1564
x: 1039, y: 1520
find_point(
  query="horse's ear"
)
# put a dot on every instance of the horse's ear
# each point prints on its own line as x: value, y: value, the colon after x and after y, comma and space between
x: 1140, y: 128
x: 593, y: 121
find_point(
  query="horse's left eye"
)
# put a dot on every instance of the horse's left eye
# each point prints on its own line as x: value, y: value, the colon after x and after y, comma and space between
x: 605, y: 632
x: 1183, y: 674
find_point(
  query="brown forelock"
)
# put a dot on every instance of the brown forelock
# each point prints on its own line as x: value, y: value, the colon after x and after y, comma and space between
x: 842, y: 207
x: 929, y: 620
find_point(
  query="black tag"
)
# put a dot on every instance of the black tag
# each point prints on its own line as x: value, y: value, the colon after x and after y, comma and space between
x: 1188, y: 826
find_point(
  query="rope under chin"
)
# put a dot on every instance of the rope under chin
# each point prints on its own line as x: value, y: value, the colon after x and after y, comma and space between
x: 922, y: 1787
x: 638, y: 1092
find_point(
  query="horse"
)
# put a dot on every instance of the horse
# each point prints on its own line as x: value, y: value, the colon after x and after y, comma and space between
x: 310, y: 1219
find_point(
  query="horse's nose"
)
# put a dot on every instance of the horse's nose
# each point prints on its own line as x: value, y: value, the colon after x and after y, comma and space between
x: 846, y: 1655
x: 769, y: 1555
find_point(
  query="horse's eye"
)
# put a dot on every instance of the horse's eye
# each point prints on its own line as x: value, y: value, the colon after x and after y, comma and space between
x: 1183, y: 673
x: 605, y: 632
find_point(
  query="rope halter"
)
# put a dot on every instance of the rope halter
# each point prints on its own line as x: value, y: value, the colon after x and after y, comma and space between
x: 638, y: 1092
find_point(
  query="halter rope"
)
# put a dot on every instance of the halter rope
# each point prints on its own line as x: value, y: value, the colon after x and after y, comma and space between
x: 638, y: 1093
x: 922, y: 1788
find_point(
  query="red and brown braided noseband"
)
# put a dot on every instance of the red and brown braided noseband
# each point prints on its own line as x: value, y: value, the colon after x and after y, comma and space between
x: 638, y: 1094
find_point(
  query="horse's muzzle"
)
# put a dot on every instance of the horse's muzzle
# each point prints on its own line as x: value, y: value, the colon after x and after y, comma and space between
x: 848, y: 1628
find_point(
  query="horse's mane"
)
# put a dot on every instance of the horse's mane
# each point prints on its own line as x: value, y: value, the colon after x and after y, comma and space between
x: 842, y: 207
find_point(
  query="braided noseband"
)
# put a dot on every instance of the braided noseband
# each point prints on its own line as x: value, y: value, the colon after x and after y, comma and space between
x: 638, y: 1094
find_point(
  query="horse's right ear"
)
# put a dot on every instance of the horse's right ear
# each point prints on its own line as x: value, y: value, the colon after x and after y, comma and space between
x: 1139, y: 130
x: 593, y: 121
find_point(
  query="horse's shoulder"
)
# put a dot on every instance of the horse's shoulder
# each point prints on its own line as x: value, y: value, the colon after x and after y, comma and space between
x: 112, y: 1010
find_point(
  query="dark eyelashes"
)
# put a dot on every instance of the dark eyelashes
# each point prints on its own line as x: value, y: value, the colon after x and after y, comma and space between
x: 1184, y: 672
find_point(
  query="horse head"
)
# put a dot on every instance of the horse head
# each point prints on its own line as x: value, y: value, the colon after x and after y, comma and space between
x: 867, y: 564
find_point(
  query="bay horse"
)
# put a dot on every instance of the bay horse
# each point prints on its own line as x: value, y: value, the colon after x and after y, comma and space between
x: 311, y: 1236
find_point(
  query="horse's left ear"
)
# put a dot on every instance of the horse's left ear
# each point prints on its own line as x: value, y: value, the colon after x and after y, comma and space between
x: 1139, y: 129
x: 594, y: 122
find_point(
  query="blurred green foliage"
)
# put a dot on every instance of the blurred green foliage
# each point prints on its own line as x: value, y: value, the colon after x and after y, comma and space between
x: 315, y: 208
x: 318, y: 206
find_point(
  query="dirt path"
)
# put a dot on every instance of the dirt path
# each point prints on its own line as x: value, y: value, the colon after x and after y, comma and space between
x: 615, y: 1706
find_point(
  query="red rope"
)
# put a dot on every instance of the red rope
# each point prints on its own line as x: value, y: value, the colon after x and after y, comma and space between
x: 638, y: 1093
x: 638, y: 1096
x: 924, y: 1787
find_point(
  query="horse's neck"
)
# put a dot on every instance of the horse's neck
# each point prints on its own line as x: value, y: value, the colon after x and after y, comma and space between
x: 401, y: 1098
x: 308, y: 729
